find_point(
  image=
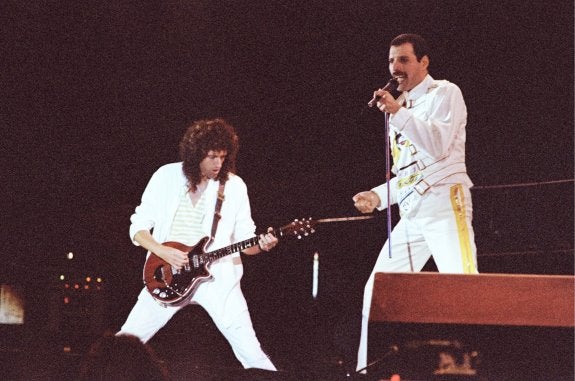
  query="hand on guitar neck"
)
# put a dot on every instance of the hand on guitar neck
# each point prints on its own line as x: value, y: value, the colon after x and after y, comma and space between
x: 266, y: 242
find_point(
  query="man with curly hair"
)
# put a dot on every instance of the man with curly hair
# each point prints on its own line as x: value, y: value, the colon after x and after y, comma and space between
x: 178, y: 205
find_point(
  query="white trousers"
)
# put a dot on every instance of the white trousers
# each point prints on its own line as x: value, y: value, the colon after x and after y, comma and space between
x: 148, y: 317
x: 440, y: 227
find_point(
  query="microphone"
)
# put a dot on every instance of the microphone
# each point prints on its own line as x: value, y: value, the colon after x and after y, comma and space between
x: 391, y: 86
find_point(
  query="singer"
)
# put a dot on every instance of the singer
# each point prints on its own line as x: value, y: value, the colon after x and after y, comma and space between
x: 431, y: 186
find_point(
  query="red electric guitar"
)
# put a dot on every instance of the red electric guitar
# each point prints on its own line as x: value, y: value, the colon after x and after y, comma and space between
x: 172, y: 287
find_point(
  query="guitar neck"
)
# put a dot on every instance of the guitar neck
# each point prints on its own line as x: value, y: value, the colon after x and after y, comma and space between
x: 238, y: 246
x: 297, y: 229
x: 234, y: 248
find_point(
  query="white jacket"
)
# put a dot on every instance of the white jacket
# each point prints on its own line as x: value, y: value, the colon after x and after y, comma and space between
x: 428, y: 140
x: 156, y: 212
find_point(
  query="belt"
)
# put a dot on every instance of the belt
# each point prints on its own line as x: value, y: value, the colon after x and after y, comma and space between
x: 430, y: 179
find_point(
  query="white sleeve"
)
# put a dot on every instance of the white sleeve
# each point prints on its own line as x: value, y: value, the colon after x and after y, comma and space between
x: 146, y: 214
x: 381, y: 191
x: 435, y: 131
x: 244, y: 227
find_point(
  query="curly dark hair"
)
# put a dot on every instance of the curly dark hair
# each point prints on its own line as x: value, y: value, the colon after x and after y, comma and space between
x: 203, y: 136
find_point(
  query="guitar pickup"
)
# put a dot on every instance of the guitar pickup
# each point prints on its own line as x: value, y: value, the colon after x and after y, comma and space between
x: 195, y: 261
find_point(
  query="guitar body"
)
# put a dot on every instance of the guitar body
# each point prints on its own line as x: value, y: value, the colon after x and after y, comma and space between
x: 170, y: 286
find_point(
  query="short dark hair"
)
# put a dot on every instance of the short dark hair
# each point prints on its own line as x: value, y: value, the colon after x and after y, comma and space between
x: 201, y: 137
x: 420, y: 47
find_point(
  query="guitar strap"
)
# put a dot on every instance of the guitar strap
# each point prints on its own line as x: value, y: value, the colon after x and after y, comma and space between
x: 217, y: 214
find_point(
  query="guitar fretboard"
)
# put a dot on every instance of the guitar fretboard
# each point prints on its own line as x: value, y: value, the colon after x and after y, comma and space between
x: 235, y: 247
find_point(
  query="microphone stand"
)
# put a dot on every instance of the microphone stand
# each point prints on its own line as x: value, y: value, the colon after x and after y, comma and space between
x: 392, y: 349
x: 391, y: 86
x: 387, y: 179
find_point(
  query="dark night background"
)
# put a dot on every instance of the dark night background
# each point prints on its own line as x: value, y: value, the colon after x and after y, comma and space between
x: 96, y: 95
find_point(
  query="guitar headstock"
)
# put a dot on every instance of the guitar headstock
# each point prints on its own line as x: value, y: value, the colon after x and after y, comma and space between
x: 298, y: 228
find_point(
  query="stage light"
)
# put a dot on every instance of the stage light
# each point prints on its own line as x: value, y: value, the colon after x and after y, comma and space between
x: 88, y: 279
x: 62, y: 277
x: 70, y: 255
